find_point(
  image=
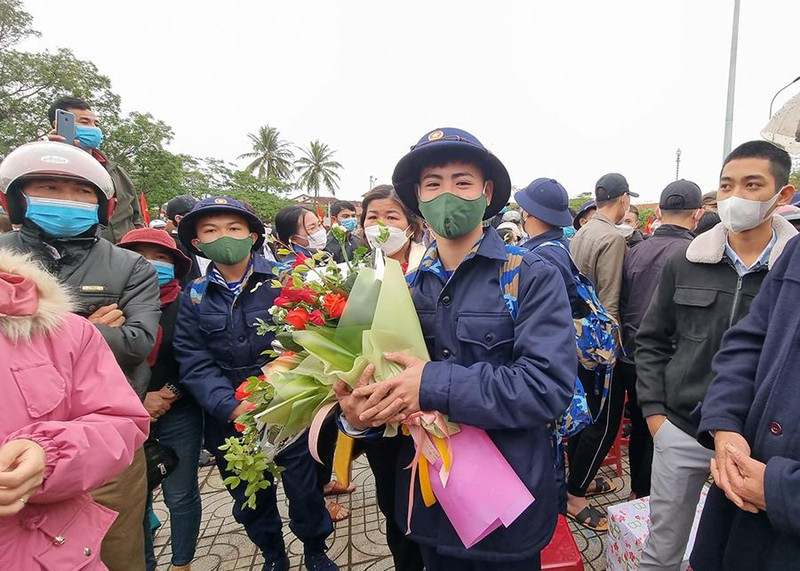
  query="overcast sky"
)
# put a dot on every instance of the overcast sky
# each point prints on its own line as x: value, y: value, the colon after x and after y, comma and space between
x: 564, y: 90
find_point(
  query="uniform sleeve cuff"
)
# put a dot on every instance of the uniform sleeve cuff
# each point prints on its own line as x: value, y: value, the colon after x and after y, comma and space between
x: 434, y: 390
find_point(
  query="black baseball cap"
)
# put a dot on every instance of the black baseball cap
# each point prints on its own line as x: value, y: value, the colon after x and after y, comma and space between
x: 610, y: 186
x: 180, y: 206
x: 681, y: 195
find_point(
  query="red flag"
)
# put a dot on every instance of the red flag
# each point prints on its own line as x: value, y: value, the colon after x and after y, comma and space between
x: 320, y: 214
x: 143, y: 206
x: 647, y: 227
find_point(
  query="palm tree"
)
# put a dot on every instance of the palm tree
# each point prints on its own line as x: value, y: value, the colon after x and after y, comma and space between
x: 271, y: 156
x: 317, y: 167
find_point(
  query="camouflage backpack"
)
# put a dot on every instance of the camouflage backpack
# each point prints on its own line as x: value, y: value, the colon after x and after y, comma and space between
x: 577, y: 415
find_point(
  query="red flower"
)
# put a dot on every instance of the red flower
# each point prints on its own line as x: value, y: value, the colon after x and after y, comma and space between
x: 242, y: 392
x: 239, y: 427
x: 297, y: 318
x: 249, y: 406
x: 288, y: 354
x: 284, y: 302
x: 299, y: 259
x: 317, y: 318
x: 334, y: 304
x: 301, y: 295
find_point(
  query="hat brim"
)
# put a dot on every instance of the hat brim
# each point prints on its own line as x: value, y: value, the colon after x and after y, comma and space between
x: 576, y: 221
x: 187, y: 231
x: 182, y: 263
x: 558, y: 218
x: 406, y: 174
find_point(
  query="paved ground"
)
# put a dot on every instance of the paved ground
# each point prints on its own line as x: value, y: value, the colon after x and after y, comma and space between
x: 358, y: 544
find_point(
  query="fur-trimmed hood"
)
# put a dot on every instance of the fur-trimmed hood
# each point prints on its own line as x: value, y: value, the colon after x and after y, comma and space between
x: 709, y: 247
x: 53, y: 300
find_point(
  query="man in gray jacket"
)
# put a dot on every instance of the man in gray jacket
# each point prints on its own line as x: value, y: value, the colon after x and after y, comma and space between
x: 61, y: 195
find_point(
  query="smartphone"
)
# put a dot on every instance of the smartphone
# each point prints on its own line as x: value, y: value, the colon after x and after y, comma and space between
x: 65, y: 125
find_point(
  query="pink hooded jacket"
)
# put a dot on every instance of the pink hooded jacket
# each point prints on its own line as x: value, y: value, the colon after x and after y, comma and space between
x: 62, y: 388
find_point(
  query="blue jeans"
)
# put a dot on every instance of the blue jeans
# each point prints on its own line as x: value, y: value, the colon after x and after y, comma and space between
x: 182, y: 430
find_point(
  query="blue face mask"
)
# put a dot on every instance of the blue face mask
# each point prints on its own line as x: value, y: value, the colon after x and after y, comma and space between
x: 165, y: 270
x: 89, y: 137
x: 61, y: 218
x: 349, y: 224
x: 569, y: 231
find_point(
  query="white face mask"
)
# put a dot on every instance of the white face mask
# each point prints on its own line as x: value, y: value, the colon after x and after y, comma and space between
x: 740, y: 214
x: 625, y: 230
x: 392, y: 244
x: 318, y: 239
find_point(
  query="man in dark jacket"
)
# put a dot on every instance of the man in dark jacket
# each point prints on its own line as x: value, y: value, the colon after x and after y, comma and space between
x: 680, y: 208
x: 501, y: 362
x: 545, y: 212
x: 61, y: 195
x: 749, y: 416
x: 127, y: 215
x: 218, y: 346
x: 343, y: 213
x: 176, y: 209
x: 703, y: 291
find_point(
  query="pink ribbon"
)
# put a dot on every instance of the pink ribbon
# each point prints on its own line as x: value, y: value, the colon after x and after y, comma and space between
x: 316, y: 427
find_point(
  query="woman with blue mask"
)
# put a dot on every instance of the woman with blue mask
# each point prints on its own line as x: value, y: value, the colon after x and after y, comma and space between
x: 177, y: 420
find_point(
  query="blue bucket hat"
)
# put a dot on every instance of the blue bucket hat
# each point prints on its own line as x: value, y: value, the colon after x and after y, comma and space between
x: 546, y: 200
x: 585, y: 207
x: 187, y: 228
x: 450, y: 140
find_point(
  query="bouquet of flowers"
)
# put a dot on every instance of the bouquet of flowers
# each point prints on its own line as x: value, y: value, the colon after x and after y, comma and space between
x: 331, y: 322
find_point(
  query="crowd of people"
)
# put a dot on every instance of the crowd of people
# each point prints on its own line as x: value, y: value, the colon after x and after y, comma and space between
x: 123, y: 347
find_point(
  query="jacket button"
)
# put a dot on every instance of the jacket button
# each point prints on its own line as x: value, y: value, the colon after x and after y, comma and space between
x: 87, y: 552
x: 92, y: 308
x: 775, y: 428
x: 489, y: 338
x: 59, y: 540
x: 445, y: 353
x: 446, y: 300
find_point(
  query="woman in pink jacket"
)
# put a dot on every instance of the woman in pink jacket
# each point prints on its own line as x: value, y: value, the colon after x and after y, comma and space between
x: 70, y: 422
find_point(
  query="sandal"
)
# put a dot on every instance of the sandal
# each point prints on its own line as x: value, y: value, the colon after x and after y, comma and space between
x: 601, y: 486
x: 337, y: 512
x: 590, y: 518
x: 334, y: 488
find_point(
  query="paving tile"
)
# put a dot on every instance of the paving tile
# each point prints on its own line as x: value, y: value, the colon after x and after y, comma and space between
x: 357, y: 544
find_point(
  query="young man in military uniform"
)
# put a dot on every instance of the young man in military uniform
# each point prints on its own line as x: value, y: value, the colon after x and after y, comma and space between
x: 501, y: 362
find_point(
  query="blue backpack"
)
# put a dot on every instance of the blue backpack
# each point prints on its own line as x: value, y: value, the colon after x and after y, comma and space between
x: 577, y: 416
x: 597, y: 334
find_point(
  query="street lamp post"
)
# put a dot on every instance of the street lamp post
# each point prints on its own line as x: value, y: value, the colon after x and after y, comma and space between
x: 731, y: 81
x: 677, y: 164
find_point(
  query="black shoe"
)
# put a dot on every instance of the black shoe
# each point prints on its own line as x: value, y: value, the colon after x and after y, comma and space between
x: 279, y: 564
x: 320, y: 562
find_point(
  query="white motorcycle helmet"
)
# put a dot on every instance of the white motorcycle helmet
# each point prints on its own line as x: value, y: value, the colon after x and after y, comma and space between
x: 46, y: 159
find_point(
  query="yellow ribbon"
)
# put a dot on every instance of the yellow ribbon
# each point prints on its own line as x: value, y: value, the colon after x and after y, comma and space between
x: 343, y: 459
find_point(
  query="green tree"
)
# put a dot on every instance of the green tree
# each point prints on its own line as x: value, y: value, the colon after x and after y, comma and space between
x: 317, y: 167
x: 272, y: 156
x: 575, y: 203
x: 29, y: 82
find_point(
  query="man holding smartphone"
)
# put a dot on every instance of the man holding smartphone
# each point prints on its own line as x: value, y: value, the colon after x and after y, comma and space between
x: 89, y: 136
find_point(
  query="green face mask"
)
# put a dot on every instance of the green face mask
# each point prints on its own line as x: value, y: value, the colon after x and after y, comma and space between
x: 451, y: 216
x: 226, y: 250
